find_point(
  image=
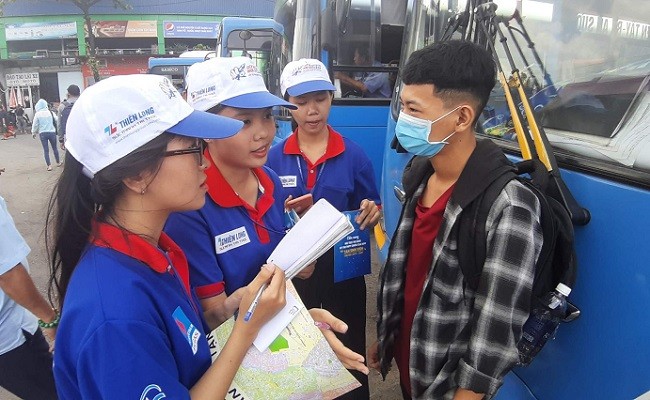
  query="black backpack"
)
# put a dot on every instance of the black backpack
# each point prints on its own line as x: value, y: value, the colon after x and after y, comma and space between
x: 557, y: 259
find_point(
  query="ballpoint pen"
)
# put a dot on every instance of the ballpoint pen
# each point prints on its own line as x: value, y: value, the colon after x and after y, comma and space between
x: 253, y: 305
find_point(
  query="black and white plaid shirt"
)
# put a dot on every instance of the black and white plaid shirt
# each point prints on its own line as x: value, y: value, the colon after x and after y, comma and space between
x: 462, y: 338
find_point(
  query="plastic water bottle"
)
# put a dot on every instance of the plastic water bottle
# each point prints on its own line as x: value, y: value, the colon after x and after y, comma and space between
x: 542, y: 323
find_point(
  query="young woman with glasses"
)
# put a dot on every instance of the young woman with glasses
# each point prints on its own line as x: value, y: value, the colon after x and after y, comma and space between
x: 130, y: 326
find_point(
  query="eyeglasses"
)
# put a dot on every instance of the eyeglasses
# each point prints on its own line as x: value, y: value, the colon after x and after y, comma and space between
x: 197, y: 149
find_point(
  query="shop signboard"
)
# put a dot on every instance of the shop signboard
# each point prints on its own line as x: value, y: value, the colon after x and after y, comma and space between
x: 23, y: 79
x: 125, y: 29
x: 190, y: 29
x: 40, y: 30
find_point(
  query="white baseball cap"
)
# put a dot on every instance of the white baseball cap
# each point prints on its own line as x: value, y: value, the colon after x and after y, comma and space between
x: 119, y: 114
x: 229, y: 81
x: 304, y: 76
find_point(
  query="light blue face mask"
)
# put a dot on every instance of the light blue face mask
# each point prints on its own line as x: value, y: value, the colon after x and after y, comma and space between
x: 413, y: 134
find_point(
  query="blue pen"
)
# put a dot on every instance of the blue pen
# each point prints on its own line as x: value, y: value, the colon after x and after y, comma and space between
x: 253, y: 305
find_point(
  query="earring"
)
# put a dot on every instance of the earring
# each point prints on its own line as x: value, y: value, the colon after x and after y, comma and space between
x: 142, y: 191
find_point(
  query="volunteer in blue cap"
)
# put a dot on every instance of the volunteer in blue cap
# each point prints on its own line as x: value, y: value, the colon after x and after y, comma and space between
x: 130, y: 325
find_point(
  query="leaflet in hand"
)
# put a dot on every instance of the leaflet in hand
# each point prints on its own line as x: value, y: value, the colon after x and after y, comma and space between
x: 352, y: 253
x: 315, y: 233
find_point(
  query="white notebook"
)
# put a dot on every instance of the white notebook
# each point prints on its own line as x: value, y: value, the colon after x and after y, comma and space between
x: 317, y: 231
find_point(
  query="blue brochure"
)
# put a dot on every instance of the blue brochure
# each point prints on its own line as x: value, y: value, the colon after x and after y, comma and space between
x: 352, y: 253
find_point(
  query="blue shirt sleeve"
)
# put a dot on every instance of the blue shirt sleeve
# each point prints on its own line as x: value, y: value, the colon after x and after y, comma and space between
x: 375, y: 80
x: 190, y: 231
x: 142, y: 366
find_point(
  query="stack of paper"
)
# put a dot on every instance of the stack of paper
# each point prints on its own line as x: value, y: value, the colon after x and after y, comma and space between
x: 315, y: 233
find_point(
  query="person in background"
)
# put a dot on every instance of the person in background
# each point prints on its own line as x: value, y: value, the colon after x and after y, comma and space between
x: 44, y: 125
x: 21, y: 119
x: 25, y: 358
x: 73, y: 93
x: 449, y: 341
x: 369, y: 84
x: 318, y: 160
x: 4, y: 124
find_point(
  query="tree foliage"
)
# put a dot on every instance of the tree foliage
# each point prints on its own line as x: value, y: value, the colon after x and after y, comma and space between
x: 85, y: 6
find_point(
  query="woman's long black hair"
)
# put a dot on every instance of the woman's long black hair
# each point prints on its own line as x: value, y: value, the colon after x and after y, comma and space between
x: 77, y: 199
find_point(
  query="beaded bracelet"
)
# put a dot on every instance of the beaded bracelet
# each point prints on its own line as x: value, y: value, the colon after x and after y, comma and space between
x: 53, y: 324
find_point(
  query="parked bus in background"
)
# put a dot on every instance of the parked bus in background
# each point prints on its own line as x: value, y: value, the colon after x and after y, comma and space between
x: 261, y: 39
x: 585, y: 67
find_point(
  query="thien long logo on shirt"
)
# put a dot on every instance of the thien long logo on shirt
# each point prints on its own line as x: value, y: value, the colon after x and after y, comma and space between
x: 231, y: 240
x: 187, y: 329
x: 289, y: 181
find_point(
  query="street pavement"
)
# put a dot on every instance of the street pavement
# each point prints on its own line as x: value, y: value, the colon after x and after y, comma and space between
x: 27, y: 186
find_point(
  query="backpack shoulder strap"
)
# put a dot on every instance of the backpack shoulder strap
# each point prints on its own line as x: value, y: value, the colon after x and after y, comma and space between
x: 472, y: 235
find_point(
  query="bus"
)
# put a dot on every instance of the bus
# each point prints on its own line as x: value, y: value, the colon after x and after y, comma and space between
x: 584, y: 68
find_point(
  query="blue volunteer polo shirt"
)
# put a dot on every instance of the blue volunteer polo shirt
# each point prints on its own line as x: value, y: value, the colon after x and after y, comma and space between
x: 343, y: 175
x: 130, y: 329
x: 227, y: 241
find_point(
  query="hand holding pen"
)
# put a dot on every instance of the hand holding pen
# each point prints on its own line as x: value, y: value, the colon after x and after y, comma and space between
x: 264, y: 296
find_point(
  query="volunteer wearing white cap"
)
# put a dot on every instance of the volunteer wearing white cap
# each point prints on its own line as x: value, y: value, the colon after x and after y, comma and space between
x: 316, y: 159
x: 130, y: 326
x: 242, y: 221
x: 228, y: 239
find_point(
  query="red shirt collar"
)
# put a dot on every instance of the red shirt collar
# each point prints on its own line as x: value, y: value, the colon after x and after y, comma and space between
x: 111, y: 237
x: 224, y: 195
x: 335, y: 146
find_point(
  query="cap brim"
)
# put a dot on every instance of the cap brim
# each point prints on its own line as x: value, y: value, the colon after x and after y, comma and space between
x: 203, y: 125
x: 257, y: 100
x: 311, y: 86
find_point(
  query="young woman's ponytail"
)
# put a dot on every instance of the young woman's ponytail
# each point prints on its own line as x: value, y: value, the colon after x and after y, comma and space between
x: 68, y: 225
x: 77, y: 199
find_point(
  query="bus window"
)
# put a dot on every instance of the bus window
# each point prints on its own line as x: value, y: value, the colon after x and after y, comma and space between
x: 591, y: 93
x: 365, y: 50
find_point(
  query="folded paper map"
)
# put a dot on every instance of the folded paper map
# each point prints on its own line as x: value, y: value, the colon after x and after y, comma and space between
x: 299, y: 364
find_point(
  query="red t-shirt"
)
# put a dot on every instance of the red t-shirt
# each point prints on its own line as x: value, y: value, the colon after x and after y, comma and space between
x: 425, y: 229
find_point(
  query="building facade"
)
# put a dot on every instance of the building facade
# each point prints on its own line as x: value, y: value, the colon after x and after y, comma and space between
x: 44, y: 45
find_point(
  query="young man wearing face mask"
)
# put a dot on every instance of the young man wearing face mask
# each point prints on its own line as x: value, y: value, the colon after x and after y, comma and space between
x: 448, y: 341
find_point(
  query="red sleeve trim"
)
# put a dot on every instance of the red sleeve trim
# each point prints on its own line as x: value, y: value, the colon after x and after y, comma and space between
x: 211, y: 290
